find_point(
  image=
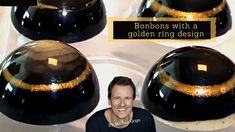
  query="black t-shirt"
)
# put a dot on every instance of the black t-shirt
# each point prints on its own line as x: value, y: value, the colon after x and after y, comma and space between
x: 142, y: 121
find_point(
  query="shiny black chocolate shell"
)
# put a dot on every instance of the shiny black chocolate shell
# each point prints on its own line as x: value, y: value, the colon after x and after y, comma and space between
x: 63, y: 20
x: 195, y: 9
x: 47, y: 82
x: 191, y: 84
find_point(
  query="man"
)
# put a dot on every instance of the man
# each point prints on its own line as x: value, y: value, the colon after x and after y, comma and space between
x: 121, y: 116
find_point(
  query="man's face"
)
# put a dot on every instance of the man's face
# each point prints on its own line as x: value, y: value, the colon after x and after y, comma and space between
x: 121, y: 101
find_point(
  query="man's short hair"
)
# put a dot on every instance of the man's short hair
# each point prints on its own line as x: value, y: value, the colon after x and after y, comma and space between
x: 123, y: 81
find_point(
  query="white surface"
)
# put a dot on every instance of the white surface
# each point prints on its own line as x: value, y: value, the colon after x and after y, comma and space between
x: 109, y: 59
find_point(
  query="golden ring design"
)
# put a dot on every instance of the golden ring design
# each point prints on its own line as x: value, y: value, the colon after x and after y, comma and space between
x: 195, y: 90
x: 157, y: 7
x: 47, y: 87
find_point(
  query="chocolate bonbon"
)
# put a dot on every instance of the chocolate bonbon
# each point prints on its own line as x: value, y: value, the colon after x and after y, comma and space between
x: 47, y: 82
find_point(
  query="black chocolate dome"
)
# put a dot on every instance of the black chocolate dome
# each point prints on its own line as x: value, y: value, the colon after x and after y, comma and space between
x: 195, y: 9
x: 47, y: 82
x: 191, y: 84
x: 63, y: 20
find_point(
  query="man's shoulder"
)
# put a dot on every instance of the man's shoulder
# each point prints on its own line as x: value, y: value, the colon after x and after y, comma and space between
x: 97, y: 122
x: 141, y: 112
x: 99, y: 115
x: 100, y: 112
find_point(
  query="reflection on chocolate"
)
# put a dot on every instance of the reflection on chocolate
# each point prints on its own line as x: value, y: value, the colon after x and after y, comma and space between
x: 192, y: 9
x: 191, y: 84
x: 47, y: 82
x: 63, y: 20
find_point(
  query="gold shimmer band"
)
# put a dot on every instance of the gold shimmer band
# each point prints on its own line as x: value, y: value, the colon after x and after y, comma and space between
x: 47, y: 6
x: 44, y: 87
x: 157, y: 7
x: 196, y: 90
